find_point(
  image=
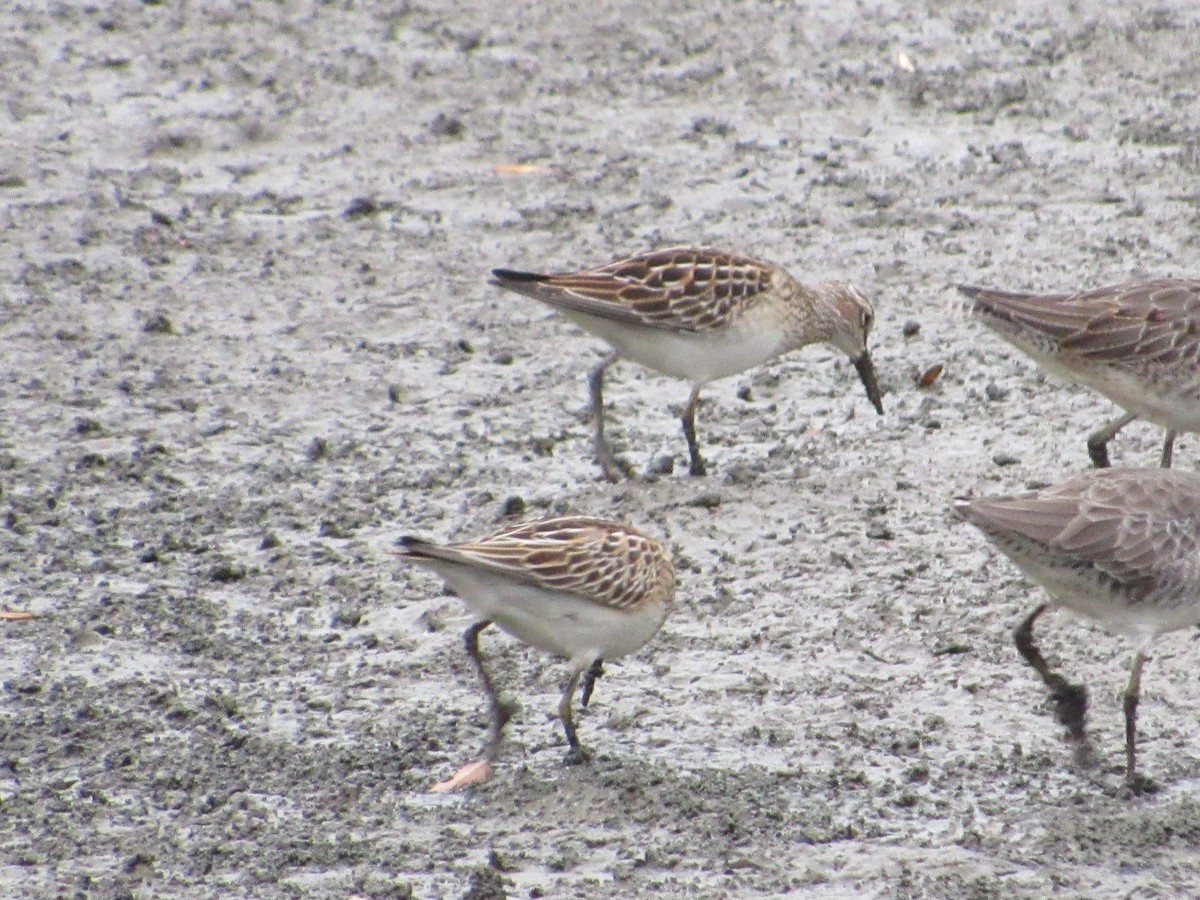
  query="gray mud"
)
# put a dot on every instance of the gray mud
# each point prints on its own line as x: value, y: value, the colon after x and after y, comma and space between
x: 247, y: 342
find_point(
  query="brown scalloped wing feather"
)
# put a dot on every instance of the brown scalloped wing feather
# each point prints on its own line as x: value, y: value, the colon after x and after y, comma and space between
x: 1151, y: 321
x: 1137, y: 526
x: 602, y: 561
x: 679, y: 288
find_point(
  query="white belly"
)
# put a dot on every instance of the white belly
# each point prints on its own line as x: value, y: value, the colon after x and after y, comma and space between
x: 1170, y: 402
x: 564, y: 624
x: 698, y: 358
x: 1140, y: 621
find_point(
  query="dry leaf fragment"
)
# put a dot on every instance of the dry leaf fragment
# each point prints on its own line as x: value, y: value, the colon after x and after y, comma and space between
x: 518, y: 169
x: 16, y: 616
x: 930, y: 376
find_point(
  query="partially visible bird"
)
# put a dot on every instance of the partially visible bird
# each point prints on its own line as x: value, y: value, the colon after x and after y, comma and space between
x: 700, y: 314
x: 1118, y: 546
x: 1137, y: 343
x: 584, y: 589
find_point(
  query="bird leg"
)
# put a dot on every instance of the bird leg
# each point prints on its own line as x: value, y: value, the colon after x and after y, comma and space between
x: 577, y: 752
x: 689, y: 432
x: 604, y: 456
x: 1168, y: 448
x: 500, y: 711
x: 1070, y: 700
x: 1097, y: 442
x: 1132, y: 693
x: 589, y: 681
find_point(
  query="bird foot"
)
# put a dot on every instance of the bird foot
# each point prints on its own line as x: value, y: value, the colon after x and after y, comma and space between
x: 505, y: 710
x: 475, y: 772
x: 614, y: 469
x: 1084, y: 756
x: 578, y: 756
x: 1140, y: 785
x: 1099, y: 455
x: 1070, y: 708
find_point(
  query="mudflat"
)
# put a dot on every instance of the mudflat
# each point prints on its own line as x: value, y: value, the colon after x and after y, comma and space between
x: 247, y: 342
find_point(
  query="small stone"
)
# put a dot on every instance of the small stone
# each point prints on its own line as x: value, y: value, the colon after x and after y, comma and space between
x: 954, y: 648
x: 741, y: 473
x: 330, y: 529
x: 446, y: 126
x: 468, y: 41
x: 85, y: 639
x: 877, y: 531
x: 513, y: 506
x: 542, y: 446
x: 917, y: 773
x: 994, y: 392
x: 158, y: 324
x: 1005, y: 459
x: 360, y: 207
x: 346, y: 618
x: 226, y: 573
x: 662, y: 465
x: 707, y: 500
x: 911, y: 328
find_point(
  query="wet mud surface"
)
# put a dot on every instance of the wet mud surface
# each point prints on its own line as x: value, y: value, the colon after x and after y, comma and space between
x: 248, y: 342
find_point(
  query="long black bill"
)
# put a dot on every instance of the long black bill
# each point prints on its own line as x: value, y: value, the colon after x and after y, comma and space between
x: 866, y: 372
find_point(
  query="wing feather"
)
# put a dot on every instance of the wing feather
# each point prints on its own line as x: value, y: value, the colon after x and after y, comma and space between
x: 1157, y: 320
x: 686, y: 289
x: 604, y: 562
x: 1138, y: 527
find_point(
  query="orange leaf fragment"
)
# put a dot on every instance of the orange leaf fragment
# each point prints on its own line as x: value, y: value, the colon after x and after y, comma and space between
x: 16, y: 616
x: 930, y: 376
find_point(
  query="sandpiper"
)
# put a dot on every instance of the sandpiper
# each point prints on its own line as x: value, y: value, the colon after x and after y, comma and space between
x: 1137, y: 343
x: 1119, y: 546
x: 584, y: 589
x: 700, y: 314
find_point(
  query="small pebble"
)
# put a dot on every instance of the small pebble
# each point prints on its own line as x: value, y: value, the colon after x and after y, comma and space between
x: 158, y: 324
x: 318, y: 448
x: 707, y: 500
x: 446, y: 126
x: 662, y: 465
x: 360, y: 207
x: 513, y: 506
x: 877, y: 531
